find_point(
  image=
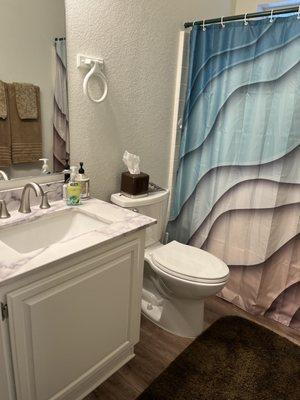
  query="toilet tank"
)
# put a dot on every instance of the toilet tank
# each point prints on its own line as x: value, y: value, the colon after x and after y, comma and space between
x: 153, y: 205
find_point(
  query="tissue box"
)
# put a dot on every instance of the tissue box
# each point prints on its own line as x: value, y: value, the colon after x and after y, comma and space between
x: 134, y: 184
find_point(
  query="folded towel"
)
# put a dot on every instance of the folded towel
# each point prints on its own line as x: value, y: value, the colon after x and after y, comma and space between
x: 26, y: 100
x: 3, y: 101
x: 5, y: 130
x: 26, y: 134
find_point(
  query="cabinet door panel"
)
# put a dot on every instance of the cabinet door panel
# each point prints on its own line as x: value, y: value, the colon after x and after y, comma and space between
x: 63, y: 329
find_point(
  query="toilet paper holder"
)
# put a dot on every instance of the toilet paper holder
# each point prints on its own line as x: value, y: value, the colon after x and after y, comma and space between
x: 96, y: 67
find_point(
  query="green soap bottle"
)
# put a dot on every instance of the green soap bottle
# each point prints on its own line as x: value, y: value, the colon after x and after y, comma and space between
x: 73, y: 189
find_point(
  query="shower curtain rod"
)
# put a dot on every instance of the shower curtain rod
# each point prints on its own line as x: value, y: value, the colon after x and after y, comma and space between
x: 242, y: 16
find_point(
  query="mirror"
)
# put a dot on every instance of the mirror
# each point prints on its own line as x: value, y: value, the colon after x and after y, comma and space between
x: 33, y: 88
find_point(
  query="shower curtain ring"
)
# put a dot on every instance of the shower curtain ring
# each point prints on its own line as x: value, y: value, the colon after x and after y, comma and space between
x: 298, y: 16
x: 245, y: 19
x: 203, y: 25
x: 222, y: 22
x: 271, y: 16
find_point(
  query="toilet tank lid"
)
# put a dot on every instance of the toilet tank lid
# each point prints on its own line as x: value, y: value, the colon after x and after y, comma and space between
x: 127, y: 202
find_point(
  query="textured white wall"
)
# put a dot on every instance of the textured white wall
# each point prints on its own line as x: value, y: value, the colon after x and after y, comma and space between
x: 138, y: 40
x: 243, y: 6
x: 27, y: 31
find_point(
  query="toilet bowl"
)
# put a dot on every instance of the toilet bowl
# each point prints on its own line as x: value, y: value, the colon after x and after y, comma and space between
x: 177, y: 277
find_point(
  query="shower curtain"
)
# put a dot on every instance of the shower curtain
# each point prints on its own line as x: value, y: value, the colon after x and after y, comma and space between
x: 61, y: 139
x: 237, y: 192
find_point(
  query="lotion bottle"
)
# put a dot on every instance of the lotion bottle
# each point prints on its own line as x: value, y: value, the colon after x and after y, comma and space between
x: 66, y: 173
x: 84, y: 182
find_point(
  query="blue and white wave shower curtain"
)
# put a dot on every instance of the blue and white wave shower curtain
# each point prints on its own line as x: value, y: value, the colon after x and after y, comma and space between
x: 61, y: 138
x: 237, y: 192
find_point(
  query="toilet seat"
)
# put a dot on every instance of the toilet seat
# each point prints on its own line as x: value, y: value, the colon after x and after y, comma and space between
x: 189, y: 263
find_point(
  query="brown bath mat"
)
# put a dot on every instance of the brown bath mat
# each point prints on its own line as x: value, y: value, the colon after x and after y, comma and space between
x: 234, y: 359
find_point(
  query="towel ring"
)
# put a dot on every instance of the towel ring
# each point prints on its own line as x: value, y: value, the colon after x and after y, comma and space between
x: 95, y: 71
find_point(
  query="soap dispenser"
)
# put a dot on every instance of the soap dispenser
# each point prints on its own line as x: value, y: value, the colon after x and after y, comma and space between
x: 66, y: 173
x: 66, y: 170
x: 73, y: 189
x: 45, y: 167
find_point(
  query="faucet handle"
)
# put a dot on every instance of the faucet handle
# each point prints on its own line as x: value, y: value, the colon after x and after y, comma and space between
x: 45, y: 202
x: 3, y: 210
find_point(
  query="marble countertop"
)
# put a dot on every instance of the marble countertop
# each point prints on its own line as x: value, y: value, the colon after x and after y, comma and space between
x: 122, y: 221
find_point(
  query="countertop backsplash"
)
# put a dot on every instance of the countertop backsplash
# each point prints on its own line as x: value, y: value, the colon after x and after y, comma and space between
x: 13, y: 196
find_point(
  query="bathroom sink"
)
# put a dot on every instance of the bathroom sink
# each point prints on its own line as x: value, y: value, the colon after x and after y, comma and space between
x: 50, y: 229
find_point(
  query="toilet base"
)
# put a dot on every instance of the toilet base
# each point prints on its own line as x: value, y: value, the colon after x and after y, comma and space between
x: 182, y: 317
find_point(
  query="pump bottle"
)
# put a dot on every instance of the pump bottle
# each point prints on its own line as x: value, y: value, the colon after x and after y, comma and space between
x: 73, y: 189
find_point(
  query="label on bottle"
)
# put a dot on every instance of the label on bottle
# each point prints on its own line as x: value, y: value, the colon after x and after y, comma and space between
x: 84, y: 188
x: 73, y: 194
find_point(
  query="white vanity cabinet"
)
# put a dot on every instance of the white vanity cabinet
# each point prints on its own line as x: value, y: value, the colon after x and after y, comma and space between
x: 72, y: 324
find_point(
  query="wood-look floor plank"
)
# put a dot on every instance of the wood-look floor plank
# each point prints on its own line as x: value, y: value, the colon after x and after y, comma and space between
x: 158, y: 348
x: 107, y: 391
x: 91, y: 396
x: 143, y: 368
x: 161, y: 342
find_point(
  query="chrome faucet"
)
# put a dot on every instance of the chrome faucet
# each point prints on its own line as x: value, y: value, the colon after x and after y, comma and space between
x: 25, y: 198
x: 4, y: 175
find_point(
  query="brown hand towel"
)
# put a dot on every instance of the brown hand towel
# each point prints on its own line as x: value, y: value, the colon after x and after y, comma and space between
x: 26, y: 134
x: 26, y: 100
x: 3, y: 101
x: 5, y: 131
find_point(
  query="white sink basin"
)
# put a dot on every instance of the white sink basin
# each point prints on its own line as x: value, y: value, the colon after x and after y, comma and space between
x: 49, y: 229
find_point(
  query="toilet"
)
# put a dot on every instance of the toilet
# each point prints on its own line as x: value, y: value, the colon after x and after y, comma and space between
x: 177, y: 277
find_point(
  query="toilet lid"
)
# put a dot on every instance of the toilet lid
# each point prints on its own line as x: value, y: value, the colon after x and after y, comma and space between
x: 190, y: 263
